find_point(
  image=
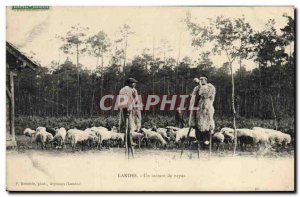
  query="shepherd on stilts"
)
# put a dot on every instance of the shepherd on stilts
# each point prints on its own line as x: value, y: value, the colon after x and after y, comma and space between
x: 130, y: 114
x: 202, y: 115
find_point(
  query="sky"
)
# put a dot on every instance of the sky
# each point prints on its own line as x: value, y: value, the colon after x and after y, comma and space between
x: 34, y: 32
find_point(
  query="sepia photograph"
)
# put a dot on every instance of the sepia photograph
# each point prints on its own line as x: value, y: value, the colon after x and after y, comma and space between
x: 150, y: 99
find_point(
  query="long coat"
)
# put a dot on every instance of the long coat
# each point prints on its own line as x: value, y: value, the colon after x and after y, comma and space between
x: 133, y: 108
x: 203, y: 117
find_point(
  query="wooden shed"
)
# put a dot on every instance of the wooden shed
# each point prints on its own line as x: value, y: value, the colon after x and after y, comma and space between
x: 16, y: 61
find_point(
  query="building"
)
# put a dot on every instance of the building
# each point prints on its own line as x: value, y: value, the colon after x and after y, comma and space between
x: 16, y: 61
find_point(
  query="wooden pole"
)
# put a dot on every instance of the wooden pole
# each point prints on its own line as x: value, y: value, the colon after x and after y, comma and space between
x: 12, y: 109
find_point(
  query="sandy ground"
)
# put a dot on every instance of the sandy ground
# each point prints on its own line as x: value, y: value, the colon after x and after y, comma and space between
x: 151, y: 170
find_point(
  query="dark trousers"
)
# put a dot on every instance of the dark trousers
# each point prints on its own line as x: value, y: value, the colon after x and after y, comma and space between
x: 201, y: 136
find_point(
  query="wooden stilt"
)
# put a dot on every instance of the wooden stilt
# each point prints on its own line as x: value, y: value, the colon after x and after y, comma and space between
x: 187, y: 138
x: 210, y: 143
x: 181, y: 150
x: 198, y: 149
x: 126, y: 140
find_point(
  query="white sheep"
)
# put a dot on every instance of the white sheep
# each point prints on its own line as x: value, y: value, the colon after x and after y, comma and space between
x: 118, y: 138
x: 228, y: 135
x: 286, y: 138
x: 275, y: 137
x: 137, y: 137
x: 181, y: 134
x: 70, y: 132
x: 261, y: 139
x: 103, y: 135
x: 48, y: 129
x: 60, y: 137
x: 86, y: 138
x: 171, y: 133
x: 253, y: 137
x: 43, y: 137
x: 218, y: 139
x: 154, y: 137
x: 163, y: 133
x: 73, y: 136
x: 247, y: 137
x: 29, y: 133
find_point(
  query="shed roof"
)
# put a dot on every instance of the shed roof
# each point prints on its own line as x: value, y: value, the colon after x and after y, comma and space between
x: 17, y: 60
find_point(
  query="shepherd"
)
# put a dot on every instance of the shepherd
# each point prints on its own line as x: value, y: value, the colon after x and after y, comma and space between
x: 202, y: 116
x: 130, y: 114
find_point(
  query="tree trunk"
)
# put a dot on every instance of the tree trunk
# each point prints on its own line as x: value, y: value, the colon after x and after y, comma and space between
x: 78, y: 84
x: 125, y: 51
x: 67, y: 95
x: 30, y: 105
x: 102, y: 75
x: 233, y: 110
x: 260, y: 91
x: 52, y: 106
x: 92, y: 105
x: 274, y: 113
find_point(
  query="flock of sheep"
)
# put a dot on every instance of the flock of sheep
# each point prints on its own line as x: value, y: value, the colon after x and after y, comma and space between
x: 257, y: 138
x: 99, y: 137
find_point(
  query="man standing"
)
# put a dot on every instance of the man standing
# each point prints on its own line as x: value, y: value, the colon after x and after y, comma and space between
x: 130, y: 114
x: 202, y: 118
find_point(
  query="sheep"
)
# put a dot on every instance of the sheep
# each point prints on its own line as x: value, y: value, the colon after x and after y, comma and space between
x: 171, y: 133
x: 137, y: 138
x: 228, y: 135
x: 103, y: 135
x: 86, y: 138
x: 71, y: 132
x: 181, y: 135
x: 273, y: 134
x: 153, y: 137
x: 60, y: 137
x: 286, y: 138
x: 245, y: 137
x: 118, y: 138
x: 275, y: 137
x: 73, y: 136
x: 43, y: 137
x: 29, y: 133
x: 48, y: 129
x: 261, y: 139
x: 93, y: 139
x: 163, y: 133
x: 218, y: 139
x: 253, y: 137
